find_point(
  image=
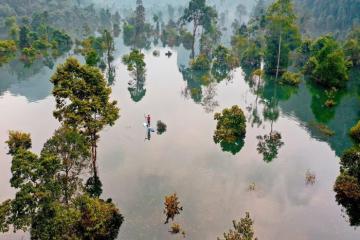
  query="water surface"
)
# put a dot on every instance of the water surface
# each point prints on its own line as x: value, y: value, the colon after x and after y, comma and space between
x: 212, y: 185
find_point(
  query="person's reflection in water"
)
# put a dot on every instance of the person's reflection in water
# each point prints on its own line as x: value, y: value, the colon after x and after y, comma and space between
x: 148, y: 134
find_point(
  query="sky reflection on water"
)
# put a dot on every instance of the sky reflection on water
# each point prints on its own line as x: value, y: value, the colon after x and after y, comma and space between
x: 212, y: 185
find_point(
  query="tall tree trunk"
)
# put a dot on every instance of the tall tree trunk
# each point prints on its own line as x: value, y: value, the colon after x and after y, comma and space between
x: 193, y: 40
x: 94, y: 155
x: 66, y: 185
x: 278, y: 58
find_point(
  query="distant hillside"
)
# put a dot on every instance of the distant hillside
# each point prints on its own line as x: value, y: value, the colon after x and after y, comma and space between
x: 322, y: 16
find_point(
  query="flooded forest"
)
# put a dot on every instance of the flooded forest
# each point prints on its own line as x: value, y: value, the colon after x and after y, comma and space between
x: 195, y: 119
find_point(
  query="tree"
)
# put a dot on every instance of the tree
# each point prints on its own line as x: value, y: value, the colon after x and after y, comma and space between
x: 24, y: 37
x: 109, y: 46
x: 355, y: 132
x: 139, y: 18
x: 352, y: 46
x: 230, y: 129
x: 7, y: 51
x: 200, y: 14
x: 38, y: 205
x: 83, y: 101
x: 243, y: 230
x: 35, y: 179
x: 135, y: 62
x: 269, y: 145
x: 282, y: 36
x: 347, y: 185
x: 73, y: 150
x: 172, y: 207
x: 327, y: 65
x: 13, y: 28
x: 224, y: 61
x: 136, y: 65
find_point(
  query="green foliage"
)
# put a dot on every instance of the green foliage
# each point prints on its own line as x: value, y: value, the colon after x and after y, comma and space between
x: 224, y: 61
x: 161, y: 127
x: 170, y: 35
x: 248, y: 52
x: 129, y: 33
x: 230, y: 128
x: 289, y: 78
x: 200, y: 63
x: 186, y: 38
x: 92, y: 58
x: 49, y: 200
x: 323, y: 16
x: 82, y: 97
x: 135, y: 62
x: 83, y: 100
x: 5, y: 210
x: 7, y: 51
x: 136, y: 65
x: 327, y: 65
x: 93, y: 186
x: 18, y: 140
x: 73, y: 150
x: 352, y: 46
x: 350, y: 162
x: 243, y: 230
x: 355, y: 132
x: 199, y: 14
x: 282, y: 35
x: 269, y: 145
x: 347, y: 190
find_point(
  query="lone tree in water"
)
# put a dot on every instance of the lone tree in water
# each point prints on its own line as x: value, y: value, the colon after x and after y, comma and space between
x: 230, y: 129
x: 172, y: 207
x: 200, y: 14
x: 83, y: 101
x: 136, y: 66
x: 243, y: 230
x: 109, y: 46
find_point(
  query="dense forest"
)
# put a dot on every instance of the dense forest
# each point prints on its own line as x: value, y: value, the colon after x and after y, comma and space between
x: 322, y: 16
x: 281, y: 47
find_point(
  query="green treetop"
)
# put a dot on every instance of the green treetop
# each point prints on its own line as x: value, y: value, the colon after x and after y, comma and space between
x: 327, y: 65
x: 199, y: 14
x: 83, y: 101
x: 282, y: 36
x: 7, y: 51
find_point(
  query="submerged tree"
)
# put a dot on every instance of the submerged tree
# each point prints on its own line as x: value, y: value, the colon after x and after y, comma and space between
x: 172, y: 207
x: 7, y: 51
x: 352, y: 46
x: 327, y: 65
x: 224, y: 61
x: 282, y: 36
x: 83, y: 101
x: 347, y: 185
x: 108, y: 43
x: 243, y: 230
x: 230, y: 129
x: 137, y: 66
x: 199, y: 14
x: 269, y: 145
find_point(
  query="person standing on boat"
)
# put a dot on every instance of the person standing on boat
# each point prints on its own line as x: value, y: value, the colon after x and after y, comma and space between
x: 148, y: 120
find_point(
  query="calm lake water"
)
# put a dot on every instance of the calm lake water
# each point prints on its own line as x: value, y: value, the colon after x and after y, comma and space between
x: 213, y: 185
